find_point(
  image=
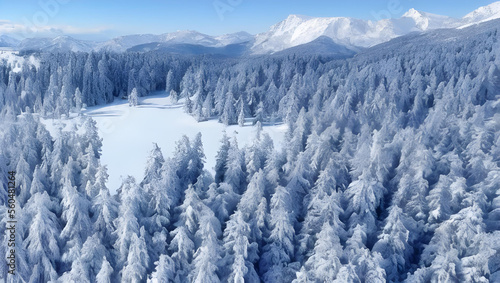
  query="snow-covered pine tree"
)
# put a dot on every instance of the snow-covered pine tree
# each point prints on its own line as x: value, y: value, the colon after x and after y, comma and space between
x: 42, y: 242
x: 221, y: 159
x: 206, y: 259
x: 324, y: 263
x: 135, y: 268
x: 76, y: 216
x: 128, y: 222
x: 165, y: 270
x: 104, y: 210
x: 278, y: 253
x: 105, y: 273
x: 133, y: 98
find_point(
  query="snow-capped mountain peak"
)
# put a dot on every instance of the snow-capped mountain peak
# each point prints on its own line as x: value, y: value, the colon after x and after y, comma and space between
x: 289, y: 24
x: 296, y: 29
x: 483, y: 14
x: 412, y: 13
x: 295, y: 18
x: 424, y: 21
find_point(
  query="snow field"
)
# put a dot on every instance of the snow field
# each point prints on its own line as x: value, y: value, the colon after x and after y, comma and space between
x: 128, y: 133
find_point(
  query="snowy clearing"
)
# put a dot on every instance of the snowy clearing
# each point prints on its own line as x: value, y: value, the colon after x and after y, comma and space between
x: 128, y: 133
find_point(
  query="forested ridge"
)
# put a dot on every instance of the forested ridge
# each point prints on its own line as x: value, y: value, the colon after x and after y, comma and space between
x: 390, y: 169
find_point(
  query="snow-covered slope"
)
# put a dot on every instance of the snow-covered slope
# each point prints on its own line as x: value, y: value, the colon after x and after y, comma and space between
x: 321, y: 46
x: 418, y: 41
x: 350, y: 32
x: 483, y: 14
x: 128, y: 133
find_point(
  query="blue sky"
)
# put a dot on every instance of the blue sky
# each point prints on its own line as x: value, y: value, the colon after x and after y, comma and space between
x: 92, y: 19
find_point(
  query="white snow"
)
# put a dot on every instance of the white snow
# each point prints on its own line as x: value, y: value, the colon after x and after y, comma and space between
x: 129, y: 133
x: 483, y: 14
x: 426, y: 21
x: 12, y: 59
x: 350, y: 32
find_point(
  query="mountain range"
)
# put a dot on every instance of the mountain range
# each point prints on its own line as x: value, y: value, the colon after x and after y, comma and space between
x: 7, y: 41
x: 336, y: 36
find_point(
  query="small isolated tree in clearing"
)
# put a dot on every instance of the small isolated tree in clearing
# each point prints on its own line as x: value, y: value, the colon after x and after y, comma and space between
x: 241, y: 116
x: 133, y: 98
x: 174, y: 96
x: 78, y: 100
